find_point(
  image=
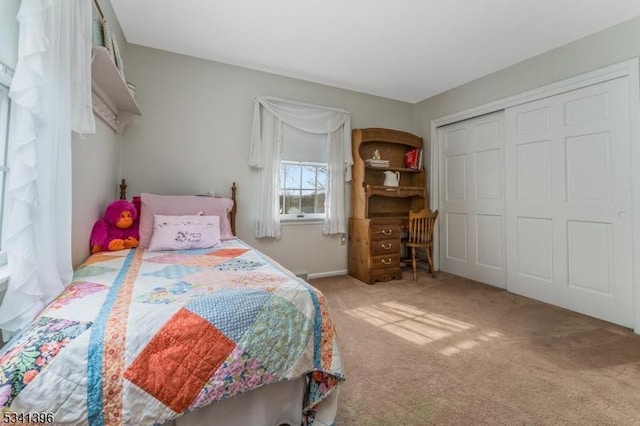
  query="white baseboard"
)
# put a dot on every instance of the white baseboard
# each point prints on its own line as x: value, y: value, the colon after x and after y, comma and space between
x: 327, y: 274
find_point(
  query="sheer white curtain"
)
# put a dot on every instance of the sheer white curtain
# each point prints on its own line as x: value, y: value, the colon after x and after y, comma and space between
x: 51, y: 96
x: 266, y: 146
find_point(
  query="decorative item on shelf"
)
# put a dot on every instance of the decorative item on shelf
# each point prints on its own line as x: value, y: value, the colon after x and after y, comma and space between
x: 376, y: 161
x: 97, y: 32
x: 132, y: 88
x: 97, y: 35
x: 411, y: 158
x: 117, y: 58
x: 108, y: 40
x: 112, y: 96
x: 391, y: 179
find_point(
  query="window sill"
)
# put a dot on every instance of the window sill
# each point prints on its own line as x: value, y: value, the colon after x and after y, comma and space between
x: 4, y: 277
x: 301, y: 221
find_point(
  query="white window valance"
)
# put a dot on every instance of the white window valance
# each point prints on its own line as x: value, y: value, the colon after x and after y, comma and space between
x: 269, y: 114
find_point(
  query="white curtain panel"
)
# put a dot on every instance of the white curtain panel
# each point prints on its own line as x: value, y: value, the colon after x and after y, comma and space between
x: 335, y: 216
x: 51, y: 96
x: 266, y: 147
x: 265, y: 156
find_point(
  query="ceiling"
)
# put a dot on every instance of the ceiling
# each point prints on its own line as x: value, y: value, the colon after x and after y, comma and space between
x: 407, y: 50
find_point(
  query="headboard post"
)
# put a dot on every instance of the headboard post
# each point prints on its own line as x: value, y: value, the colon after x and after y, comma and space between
x: 123, y: 190
x: 232, y: 213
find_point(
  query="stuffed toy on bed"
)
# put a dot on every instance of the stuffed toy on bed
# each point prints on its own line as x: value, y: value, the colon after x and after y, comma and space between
x: 117, y: 230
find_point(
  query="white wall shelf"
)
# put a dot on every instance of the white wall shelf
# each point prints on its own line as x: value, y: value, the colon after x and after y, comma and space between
x: 112, y: 100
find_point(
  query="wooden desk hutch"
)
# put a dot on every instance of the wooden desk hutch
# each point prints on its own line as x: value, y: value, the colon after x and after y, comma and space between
x: 379, y: 214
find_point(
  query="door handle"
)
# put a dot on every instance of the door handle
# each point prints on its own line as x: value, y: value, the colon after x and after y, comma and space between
x: 622, y: 213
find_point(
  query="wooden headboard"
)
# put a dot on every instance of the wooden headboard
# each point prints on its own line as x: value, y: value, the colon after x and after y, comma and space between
x: 232, y: 213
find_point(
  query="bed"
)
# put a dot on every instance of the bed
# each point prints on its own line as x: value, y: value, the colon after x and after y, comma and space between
x: 218, y: 335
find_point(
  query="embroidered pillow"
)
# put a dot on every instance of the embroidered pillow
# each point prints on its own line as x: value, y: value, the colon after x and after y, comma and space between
x: 184, y: 232
x: 176, y: 205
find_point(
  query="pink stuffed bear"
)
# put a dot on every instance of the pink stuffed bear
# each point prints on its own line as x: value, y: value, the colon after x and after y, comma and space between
x: 117, y: 230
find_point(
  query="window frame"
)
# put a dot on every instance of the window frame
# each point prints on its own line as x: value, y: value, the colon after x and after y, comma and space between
x: 302, y: 217
x: 6, y: 75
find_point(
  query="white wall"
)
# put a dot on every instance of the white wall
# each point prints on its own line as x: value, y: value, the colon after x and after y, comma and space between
x: 195, y: 132
x: 96, y: 165
x: 606, y: 47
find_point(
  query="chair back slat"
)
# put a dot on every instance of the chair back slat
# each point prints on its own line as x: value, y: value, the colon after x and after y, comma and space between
x: 421, y: 225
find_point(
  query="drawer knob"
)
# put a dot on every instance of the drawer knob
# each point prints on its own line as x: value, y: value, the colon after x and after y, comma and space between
x: 386, y: 231
x: 386, y: 261
x: 386, y: 247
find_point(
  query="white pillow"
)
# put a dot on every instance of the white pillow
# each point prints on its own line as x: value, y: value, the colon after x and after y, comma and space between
x: 184, y: 232
x: 176, y: 205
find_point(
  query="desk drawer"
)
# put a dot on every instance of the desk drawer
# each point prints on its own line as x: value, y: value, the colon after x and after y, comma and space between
x: 385, y: 247
x: 385, y: 232
x: 385, y: 261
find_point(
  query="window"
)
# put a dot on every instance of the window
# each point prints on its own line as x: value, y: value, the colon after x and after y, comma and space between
x: 303, y: 155
x: 5, y: 113
x: 303, y: 175
x: 303, y: 189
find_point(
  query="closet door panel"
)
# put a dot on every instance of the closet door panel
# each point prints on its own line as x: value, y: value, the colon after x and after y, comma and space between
x: 568, y: 191
x: 471, y: 224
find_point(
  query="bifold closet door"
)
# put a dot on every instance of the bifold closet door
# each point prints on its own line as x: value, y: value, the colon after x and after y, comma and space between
x: 568, y: 201
x: 471, y: 220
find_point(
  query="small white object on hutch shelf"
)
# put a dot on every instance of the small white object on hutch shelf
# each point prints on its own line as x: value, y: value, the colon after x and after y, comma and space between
x: 112, y: 100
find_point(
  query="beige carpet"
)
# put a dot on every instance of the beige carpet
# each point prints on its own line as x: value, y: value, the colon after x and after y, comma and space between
x: 450, y: 351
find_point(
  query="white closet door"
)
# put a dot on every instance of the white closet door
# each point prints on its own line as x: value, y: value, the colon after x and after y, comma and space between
x: 471, y: 220
x: 568, y: 201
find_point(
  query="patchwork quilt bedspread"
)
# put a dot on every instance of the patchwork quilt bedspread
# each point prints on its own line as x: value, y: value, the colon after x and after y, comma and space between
x: 142, y: 337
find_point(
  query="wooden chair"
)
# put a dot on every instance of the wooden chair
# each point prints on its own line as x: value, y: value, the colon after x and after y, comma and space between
x: 421, y: 226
